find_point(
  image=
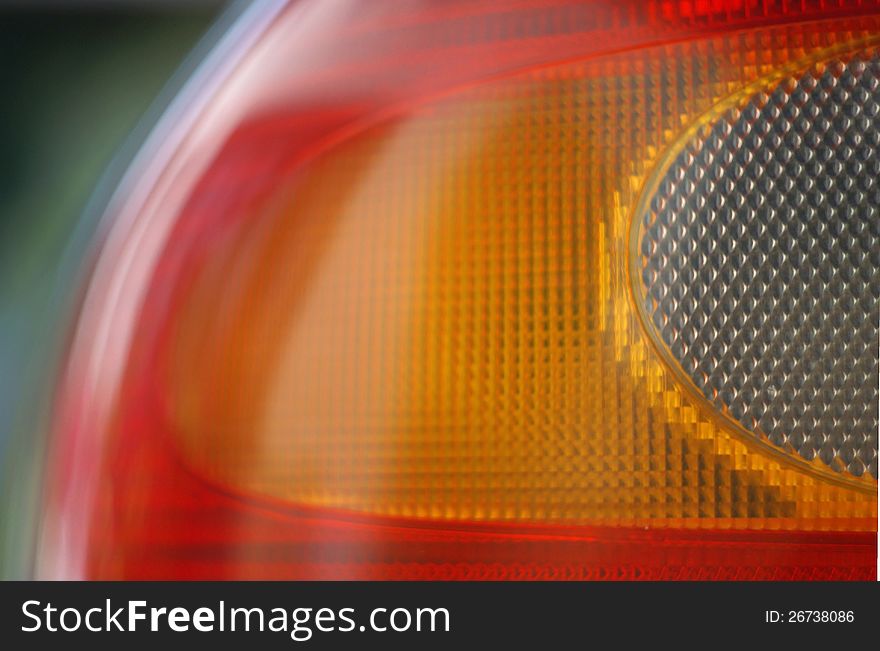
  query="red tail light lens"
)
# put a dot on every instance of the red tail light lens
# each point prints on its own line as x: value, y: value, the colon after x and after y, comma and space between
x: 492, y: 290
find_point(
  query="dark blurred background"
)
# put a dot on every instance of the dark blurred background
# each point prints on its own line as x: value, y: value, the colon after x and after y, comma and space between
x: 81, y: 81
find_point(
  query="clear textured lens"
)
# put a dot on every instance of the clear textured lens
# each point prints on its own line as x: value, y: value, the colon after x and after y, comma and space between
x: 761, y: 263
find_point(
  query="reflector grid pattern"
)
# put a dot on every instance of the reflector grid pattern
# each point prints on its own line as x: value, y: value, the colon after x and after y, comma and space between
x: 761, y: 263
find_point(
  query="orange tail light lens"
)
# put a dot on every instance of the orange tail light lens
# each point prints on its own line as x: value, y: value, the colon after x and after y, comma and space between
x: 540, y: 289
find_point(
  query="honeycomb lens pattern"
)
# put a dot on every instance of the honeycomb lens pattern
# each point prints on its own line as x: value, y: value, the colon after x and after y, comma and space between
x: 760, y: 258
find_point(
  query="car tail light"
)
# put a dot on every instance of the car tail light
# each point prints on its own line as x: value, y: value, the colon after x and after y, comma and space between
x: 537, y: 289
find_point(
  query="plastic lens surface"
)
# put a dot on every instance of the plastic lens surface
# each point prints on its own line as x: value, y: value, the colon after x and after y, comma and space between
x: 397, y: 334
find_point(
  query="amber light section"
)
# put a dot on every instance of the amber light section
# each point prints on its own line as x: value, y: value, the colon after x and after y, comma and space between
x: 433, y: 320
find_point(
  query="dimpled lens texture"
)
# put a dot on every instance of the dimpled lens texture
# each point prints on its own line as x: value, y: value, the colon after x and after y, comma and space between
x: 761, y: 263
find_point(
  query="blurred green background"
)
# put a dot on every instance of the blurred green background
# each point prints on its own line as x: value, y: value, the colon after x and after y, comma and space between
x: 77, y: 79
